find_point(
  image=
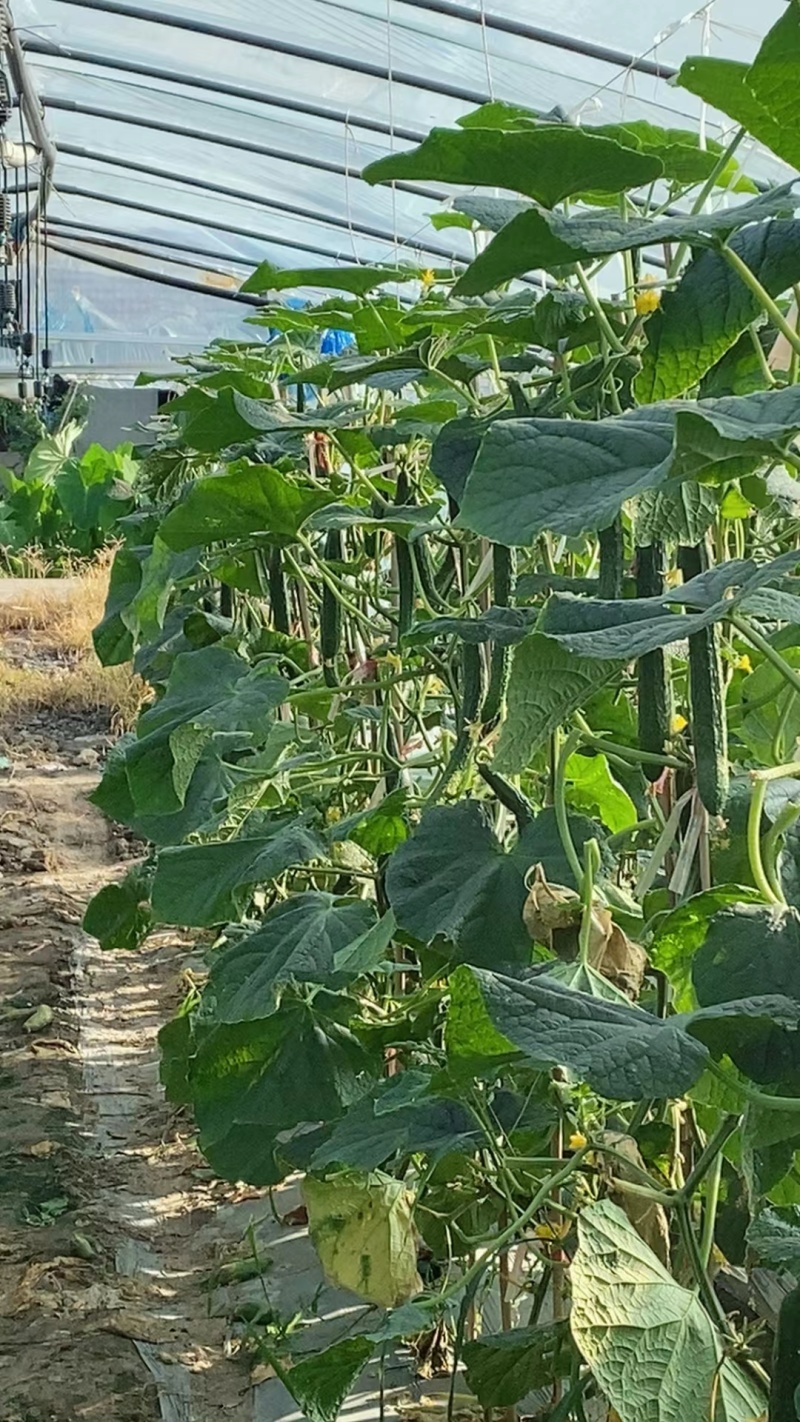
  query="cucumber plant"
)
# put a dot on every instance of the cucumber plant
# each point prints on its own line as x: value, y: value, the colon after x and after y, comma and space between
x: 473, y: 761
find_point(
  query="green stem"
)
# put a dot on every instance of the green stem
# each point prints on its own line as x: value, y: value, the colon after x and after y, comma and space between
x: 770, y: 844
x: 508, y: 1235
x: 754, y: 637
x: 331, y: 583
x: 600, y: 316
x: 762, y: 359
x: 754, y: 842
x: 705, y: 192
x: 628, y: 753
x: 564, y: 751
x: 778, y: 752
x: 762, y: 296
x: 711, y: 1152
x: 707, y: 1294
x: 751, y: 1093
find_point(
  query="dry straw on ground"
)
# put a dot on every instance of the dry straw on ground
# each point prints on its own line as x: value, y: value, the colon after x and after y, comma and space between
x: 47, y: 660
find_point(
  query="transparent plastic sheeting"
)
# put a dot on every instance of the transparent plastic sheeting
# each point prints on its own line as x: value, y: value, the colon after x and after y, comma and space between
x: 108, y: 326
x: 318, y: 89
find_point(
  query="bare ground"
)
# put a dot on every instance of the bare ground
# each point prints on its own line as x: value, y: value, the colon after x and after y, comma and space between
x: 112, y: 1229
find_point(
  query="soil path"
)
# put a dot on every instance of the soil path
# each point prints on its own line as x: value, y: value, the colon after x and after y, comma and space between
x: 117, y: 1301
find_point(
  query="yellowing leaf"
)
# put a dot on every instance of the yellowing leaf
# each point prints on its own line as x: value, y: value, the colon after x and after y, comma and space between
x: 362, y: 1229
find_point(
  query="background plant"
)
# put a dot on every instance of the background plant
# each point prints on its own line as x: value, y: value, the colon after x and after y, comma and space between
x: 473, y: 757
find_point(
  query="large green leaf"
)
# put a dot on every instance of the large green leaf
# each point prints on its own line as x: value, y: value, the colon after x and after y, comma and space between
x: 112, y: 638
x: 401, y: 1118
x: 776, y: 1238
x: 204, y: 805
x: 680, y: 515
x: 358, y: 280
x: 533, y: 239
x: 628, y: 628
x: 682, y: 931
x: 753, y: 948
x: 176, y: 1046
x: 622, y: 1052
x: 687, y: 157
x: 710, y: 307
x: 201, y: 884
x: 363, y: 1230
x: 211, y: 694
x: 321, y: 1383
x: 771, y: 709
x: 679, y: 149
x: 211, y: 422
x: 649, y: 1342
x: 299, y: 941
x: 147, y: 607
x: 453, y: 880
x: 564, y: 475
x: 748, y: 948
x: 504, y: 1368
x: 592, y: 789
x: 119, y: 915
x: 92, y: 495
x: 548, y: 163
x: 723, y: 83
x: 503, y: 625
x: 548, y: 683
x: 251, y: 1081
x: 570, y: 475
x: 762, y: 98
x: 243, y: 501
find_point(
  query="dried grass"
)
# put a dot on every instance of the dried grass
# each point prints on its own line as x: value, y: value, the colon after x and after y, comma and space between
x: 50, y: 663
x: 85, y: 686
x: 65, y: 609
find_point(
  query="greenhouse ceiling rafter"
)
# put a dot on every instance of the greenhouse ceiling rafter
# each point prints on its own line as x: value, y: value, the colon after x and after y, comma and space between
x: 190, y: 220
x: 160, y: 278
x: 243, y: 145
x: 44, y: 49
x: 520, y: 29
x: 295, y: 51
x: 360, y: 229
x: 486, y: 19
x: 88, y: 233
x: 118, y: 241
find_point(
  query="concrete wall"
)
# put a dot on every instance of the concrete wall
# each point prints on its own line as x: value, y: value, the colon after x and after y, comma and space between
x: 114, y: 415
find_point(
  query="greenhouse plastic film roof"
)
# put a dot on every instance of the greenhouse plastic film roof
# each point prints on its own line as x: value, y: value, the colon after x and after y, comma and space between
x: 197, y: 138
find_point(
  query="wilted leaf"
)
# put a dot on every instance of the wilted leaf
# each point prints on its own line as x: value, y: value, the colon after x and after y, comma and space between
x: 363, y: 1231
